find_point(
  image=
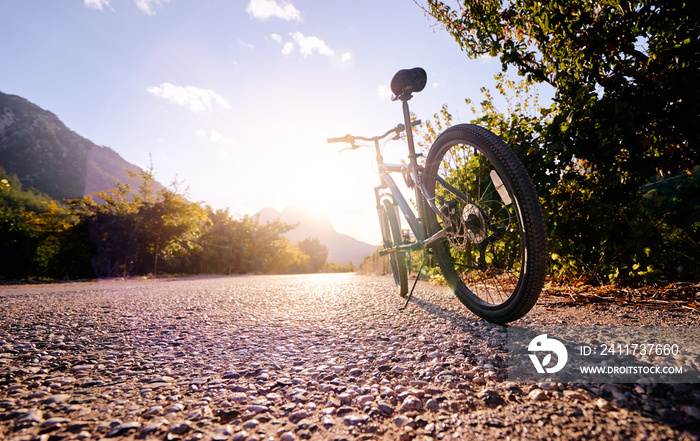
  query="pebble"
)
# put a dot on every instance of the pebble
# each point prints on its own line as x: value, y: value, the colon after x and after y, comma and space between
x: 251, y: 424
x: 58, y: 398
x: 123, y: 429
x: 538, y: 395
x: 411, y: 403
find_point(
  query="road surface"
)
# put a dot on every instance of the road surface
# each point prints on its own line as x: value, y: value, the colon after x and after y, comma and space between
x: 296, y: 357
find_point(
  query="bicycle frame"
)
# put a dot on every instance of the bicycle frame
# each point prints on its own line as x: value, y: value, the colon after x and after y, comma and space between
x: 413, y: 171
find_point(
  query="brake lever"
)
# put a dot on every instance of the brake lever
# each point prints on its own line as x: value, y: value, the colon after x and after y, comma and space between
x: 353, y: 146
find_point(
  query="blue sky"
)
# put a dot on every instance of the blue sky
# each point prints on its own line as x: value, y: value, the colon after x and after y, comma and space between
x: 237, y: 97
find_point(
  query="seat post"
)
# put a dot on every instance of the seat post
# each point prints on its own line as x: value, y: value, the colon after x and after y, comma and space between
x: 413, y: 161
x: 409, y: 130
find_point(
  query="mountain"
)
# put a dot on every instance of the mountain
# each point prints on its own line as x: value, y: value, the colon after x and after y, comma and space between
x: 341, y: 248
x: 44, y: 154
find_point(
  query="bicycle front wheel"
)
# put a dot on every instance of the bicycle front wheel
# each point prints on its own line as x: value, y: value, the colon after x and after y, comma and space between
x: 392, y: 236
x: 494, y: 255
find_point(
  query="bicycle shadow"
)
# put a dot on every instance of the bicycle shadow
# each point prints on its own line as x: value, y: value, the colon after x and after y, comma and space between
x: 463, y: 319
x: 671, y: 405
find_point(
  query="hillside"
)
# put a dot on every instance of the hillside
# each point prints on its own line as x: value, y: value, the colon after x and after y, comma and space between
x: 46, y: 155
x: 341, y: 247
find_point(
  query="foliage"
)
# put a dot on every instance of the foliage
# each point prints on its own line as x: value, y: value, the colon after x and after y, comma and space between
x: 38, y: 236
x: 238, y: 246
x: 317, y: 252
x: 331, y: 267
x: 133, y: 232
x: 614, y: 157
x: 121, y: 232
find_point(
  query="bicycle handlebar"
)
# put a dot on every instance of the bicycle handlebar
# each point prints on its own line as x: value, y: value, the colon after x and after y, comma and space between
x: 350, y: 138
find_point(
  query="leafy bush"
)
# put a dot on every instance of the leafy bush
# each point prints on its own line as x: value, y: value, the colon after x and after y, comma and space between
x: 614, y: 158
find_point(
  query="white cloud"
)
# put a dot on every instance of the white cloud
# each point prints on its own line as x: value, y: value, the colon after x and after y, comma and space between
x: 216, y: 137
x: 264, y: 9
x: 287, y: 48
x: 485, y: 58
x: 146, y: 6
x: 307, y: 45
x: 197, y: 99
x: 149, y: 6
x: 384, y: 92
x: 347, y: 56
x: 97, y: 4
x: 250, y: 46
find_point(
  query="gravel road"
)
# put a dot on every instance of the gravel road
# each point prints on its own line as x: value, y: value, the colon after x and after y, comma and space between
x: 300, y: 357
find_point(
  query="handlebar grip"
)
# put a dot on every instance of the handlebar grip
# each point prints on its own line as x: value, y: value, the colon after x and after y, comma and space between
x: 416, y: 123
x: 345, y: 138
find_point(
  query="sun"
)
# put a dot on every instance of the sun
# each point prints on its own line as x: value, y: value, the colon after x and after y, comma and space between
x: 318, y: 179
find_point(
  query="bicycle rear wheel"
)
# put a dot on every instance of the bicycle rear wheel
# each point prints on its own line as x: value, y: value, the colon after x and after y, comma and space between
x: 495, y: 250
x: 392, y: 236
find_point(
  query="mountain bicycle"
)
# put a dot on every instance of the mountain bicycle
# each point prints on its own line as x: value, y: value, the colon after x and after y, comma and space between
x: 478, y: 213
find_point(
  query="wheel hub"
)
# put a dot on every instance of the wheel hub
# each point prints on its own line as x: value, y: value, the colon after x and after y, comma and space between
x: 474, y: 223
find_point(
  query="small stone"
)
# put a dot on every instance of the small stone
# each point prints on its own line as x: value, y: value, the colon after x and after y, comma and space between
x: 76, y: 425
x: 345, y: 398
x: 354, y: 419
x: 29, y: 418
x: 548, y: 386
x: 251, y: 424
x: 180, y: 428
x: 40, y: 394
x: 256, y: 409
x: 177, y: 407
x: 83, y: 435
x: 432, y: 404
x: 385, y: 407
x: 328, y: 420
x: 298, y: 416
x: 149, y: 428
x: 364, y: 399
x: 58, y: 398
x: 153, y: 410
x: 691, y: 411
x: 344, y: 410
x: 287, y: 436
x: 82, y: 367
x: 238, y: 397
x: 195, y: 415
x: 401, y: 421
x: 538, y: 395
x: 411, y: 403
x: 575, y: 395
x: 603, y: 404
x: 53, y: 423
x: 240, y: 436
x: 122, y: 429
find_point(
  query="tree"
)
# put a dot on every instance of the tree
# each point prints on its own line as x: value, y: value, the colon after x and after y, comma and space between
x: 317, y: 252
x: 622, y: 125
x: 237, y: 246
x: 133, y: 232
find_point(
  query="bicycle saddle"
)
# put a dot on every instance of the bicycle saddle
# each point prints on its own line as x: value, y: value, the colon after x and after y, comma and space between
x: 408, y: 81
